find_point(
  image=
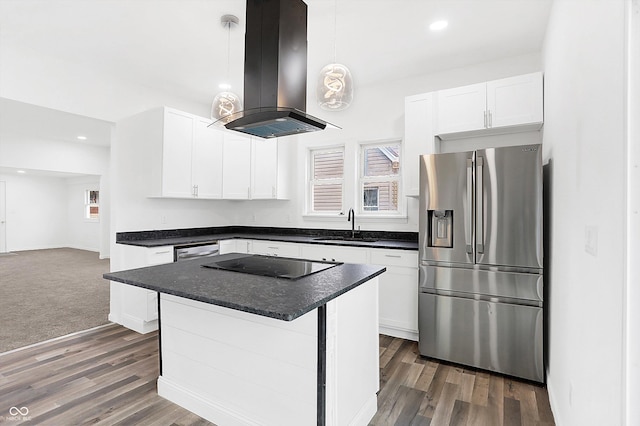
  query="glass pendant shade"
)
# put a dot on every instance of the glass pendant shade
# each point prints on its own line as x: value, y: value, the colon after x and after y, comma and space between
x: 335, y: 87
x: 225, y: 103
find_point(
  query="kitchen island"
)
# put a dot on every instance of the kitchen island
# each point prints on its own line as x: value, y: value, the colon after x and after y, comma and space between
x: 246, y: 349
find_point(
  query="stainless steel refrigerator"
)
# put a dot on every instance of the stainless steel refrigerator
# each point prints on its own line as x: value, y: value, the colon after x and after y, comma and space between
x: 481, y: 288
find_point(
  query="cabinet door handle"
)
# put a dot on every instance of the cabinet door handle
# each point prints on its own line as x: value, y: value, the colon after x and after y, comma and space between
x: 397, y: 256
x: 273, y: 192
x: 248, y: 192
x: 163, y: 252
x: 485, y: 119
x: 490, y: 119
x: 274, y: 248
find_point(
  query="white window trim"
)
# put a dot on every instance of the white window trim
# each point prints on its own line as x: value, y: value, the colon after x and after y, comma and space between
x: 309, y: 213
x: 87, y: 205
x: 372, y: 216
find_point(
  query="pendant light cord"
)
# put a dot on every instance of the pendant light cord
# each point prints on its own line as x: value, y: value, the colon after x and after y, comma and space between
x: 335, y: 29
x: 228, y: 49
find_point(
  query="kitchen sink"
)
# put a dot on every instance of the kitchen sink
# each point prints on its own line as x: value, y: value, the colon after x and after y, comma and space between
x: 364, y: 240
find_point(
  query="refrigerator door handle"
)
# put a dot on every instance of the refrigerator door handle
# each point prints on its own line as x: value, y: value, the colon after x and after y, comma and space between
x: 469, y: 227
x: 480, y: 206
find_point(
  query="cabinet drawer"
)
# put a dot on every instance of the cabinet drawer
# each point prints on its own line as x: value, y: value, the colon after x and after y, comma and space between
x: 394, y: 258
x: 334, y: 253
x: 159, y: 255
x: 273, y: 248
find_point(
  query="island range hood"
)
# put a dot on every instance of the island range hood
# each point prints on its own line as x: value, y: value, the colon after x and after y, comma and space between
x: 275, y: 72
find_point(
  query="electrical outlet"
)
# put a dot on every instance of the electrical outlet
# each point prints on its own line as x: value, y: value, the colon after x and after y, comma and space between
x: 288, y: 218
x: 163, y: 219
x: 591, y: 240
x: 253, y: 218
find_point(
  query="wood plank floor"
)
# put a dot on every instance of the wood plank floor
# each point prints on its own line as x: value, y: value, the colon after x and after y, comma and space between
x: 108, y: 376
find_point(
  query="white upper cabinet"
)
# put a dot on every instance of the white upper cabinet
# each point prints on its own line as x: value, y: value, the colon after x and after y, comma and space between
x: 418, y: 138
x: 515, y: 101
x: 176, y: 151
x: 462, y: 109
x: 499, y: 106
x: 176, y: 154
x: 236, y: 167
x: 264, y: 167
x: 253, y: 168
x: 206, y: 170
x: 180, y: 156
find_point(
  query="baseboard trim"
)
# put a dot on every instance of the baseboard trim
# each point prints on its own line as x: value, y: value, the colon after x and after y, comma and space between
x: 400, y: 333
x: 366, y: 413
x: 204, y: 408
x: 138, y: 325
x: 75, y: 333
x: 552, y: 400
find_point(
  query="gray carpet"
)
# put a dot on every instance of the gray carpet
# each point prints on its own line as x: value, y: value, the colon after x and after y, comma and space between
x: 50, y: 293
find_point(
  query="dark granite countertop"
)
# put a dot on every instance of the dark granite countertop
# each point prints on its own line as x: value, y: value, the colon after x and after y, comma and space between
x: 382, y: 239
x: 278, y: 298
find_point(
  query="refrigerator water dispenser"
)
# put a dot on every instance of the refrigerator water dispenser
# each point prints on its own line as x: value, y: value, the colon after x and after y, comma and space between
x: 441, y: 228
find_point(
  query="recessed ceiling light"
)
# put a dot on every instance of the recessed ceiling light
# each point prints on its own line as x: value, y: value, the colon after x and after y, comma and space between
x: 224, y: 86
x: 82, y: 138
x: 21, y: 171
x: 438, y: 25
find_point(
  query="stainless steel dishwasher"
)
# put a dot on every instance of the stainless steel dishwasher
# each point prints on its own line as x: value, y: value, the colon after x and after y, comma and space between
x: 191, y: 251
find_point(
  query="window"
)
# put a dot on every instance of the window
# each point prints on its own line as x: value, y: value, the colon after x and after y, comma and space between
x: 92, y: 204
x: 370, y: 199
x: 326, y: 180
x: 380, y: 178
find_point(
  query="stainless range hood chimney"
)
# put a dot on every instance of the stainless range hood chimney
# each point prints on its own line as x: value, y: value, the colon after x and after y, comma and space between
x: 275, y: 72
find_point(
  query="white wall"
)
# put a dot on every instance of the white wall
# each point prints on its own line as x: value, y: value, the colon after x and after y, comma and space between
x: 48, y: 212
x: 36, y: 212
x: 82, y: 233
x: 58, y: 156
x: 377, y: 113
x: 632, y: 370
x: 584, y: 141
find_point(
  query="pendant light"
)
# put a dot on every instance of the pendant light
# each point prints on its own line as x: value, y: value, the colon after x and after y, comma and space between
x: 335, y: 84
x: 226, y: 102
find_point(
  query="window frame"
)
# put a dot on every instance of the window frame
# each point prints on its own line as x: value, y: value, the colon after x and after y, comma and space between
x: 362, y: 180
x: 311, y: 181
x: 88, y: 204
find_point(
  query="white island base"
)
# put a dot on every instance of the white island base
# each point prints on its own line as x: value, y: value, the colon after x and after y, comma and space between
x: 236, y: 368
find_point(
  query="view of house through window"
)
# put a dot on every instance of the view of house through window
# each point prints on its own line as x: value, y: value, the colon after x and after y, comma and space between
x: 92, y: 204
x: 380, y: 177
x: 327, y: 178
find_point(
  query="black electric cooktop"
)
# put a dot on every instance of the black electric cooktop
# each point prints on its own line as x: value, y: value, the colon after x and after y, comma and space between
x: 270, y: 266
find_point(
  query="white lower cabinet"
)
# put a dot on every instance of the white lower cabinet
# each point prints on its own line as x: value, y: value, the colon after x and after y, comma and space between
x: 138, y: 307
x: 243, y: 246
x: 227, y: 246
x: 398, y: 292
x: 398, y: 286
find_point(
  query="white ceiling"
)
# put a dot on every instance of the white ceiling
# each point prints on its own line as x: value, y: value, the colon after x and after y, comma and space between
x: 179, y: 46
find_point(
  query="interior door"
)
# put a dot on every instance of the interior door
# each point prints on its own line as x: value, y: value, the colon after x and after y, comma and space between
x: 446, y: 213
x: 509, y: 207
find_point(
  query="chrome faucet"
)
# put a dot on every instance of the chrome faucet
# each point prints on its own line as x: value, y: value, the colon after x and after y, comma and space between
x: 352, y: 218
